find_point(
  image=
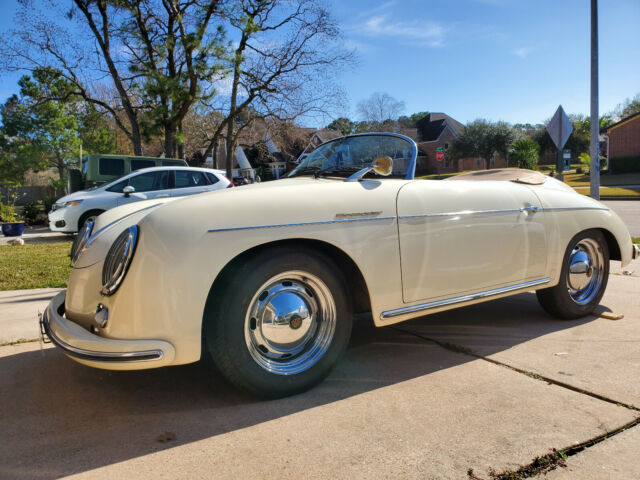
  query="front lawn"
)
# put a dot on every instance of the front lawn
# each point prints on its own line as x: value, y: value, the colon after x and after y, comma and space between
x: 610, y: 192
x: 583, y: 179
x: 39, y: 265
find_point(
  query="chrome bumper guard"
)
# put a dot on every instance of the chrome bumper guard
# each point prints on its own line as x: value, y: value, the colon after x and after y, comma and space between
x: 57, y: 304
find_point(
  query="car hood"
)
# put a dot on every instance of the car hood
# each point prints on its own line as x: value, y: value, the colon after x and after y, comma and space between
x: 79, y: 195
x: 288, y: 201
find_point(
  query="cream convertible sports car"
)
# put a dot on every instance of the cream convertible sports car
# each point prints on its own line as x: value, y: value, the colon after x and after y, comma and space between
x: 264, y: 279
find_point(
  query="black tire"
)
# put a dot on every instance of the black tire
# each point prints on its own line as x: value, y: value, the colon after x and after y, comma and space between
x: 236, y: 319
x: 91, y: 214
x: 74, y: 180
x: 566, y: 301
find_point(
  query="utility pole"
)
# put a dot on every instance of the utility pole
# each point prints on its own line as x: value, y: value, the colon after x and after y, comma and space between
x: 594, y: 152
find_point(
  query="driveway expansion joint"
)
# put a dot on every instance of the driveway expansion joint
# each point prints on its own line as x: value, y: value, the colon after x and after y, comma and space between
x: 556, y: 457
x: 467, y: 351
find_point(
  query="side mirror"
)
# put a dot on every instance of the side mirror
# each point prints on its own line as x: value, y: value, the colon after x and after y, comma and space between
x: 128, y: 190
x: 383, y: 166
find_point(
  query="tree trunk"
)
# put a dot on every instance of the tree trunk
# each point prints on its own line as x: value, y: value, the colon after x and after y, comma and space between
x: 169, y: 141
x: 136, y: 139
x: 180, y: 147
x: 229, y: 145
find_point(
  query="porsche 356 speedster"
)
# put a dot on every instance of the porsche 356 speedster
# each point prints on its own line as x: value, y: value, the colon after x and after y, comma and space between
x: 264, y: 279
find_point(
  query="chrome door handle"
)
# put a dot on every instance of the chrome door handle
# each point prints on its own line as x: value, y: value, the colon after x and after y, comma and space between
x: 529, y: 209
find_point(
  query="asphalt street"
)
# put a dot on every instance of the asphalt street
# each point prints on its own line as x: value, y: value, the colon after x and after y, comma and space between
x: 491, y: 386
x: 629, y: 211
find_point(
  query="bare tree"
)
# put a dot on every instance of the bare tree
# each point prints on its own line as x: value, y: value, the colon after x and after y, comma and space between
x: 283, y: 66
x: 380, y: 108
x: 154, y: 53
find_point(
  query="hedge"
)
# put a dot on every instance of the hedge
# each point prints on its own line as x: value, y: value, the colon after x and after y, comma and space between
x: 624, y: 164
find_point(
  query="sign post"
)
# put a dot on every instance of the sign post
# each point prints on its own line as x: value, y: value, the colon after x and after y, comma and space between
x: 560, y: 128
x: 594, y: 149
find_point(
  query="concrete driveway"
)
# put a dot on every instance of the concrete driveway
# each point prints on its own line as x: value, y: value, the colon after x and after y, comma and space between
x: 486, y: 387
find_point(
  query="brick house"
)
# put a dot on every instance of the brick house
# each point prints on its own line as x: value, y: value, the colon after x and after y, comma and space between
x: 624, y: 137
x: 438, y: 131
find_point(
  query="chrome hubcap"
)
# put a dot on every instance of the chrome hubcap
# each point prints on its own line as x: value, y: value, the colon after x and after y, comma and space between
x: 586, y: 271
x: 290, y: 323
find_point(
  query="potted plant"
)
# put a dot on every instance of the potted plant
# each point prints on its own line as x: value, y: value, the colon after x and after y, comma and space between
x: 12, y: 225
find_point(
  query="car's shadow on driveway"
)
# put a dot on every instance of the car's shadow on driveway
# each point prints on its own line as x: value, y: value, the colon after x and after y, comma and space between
x: 58, y: 417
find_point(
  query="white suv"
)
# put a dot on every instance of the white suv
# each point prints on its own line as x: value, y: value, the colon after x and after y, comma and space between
x: 69, y: 213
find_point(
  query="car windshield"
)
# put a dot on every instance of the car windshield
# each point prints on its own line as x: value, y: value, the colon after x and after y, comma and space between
x: 346, y: 155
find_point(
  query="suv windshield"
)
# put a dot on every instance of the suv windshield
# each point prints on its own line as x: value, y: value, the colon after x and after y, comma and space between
x: 346, y: 155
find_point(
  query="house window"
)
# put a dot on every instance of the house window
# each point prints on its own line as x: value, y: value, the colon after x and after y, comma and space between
x: 477, y: 162
x: 446, y: 146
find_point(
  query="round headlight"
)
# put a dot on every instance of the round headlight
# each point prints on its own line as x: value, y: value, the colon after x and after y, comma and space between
x: 81, y: 241
x: 118, y: 260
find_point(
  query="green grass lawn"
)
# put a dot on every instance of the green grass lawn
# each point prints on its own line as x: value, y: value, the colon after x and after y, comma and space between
x: 583, y: 179
x: 34, y: 266
x: 610, y: 192
x: 635, y: 240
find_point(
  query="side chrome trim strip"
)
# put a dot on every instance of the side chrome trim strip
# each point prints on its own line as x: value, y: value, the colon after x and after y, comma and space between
x: 465, y: 298
x: 93, y: 237
x: 463, y: 212
x: 140, y: 356
x: 575, y: 208
x: 327, y: 222
x: 507, y: 210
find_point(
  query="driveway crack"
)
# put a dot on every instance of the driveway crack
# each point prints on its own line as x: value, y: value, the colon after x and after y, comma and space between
x: 467, y: 351
x: 556, y: 457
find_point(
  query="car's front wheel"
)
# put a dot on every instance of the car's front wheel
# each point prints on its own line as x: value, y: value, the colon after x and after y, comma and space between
x: 583, y: 280
x: 280, y: 322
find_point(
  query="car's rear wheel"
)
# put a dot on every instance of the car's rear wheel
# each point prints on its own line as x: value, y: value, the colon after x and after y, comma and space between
x: 583, y: 280
x: 280, y: 323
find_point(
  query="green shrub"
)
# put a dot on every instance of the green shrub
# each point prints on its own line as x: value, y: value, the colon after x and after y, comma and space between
x: 48, y: 203
x: 30, y: 210
x: 524, y: 153
x: 624, y: 164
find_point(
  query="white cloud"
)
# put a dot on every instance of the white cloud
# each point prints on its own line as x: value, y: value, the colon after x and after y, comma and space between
x: 522, y: 52
x: 423, y: 32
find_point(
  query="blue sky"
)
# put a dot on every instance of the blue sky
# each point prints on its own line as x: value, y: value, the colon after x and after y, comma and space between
x: 512, y: 60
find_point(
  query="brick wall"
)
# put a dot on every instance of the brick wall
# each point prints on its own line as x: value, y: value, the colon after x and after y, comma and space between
x: 472, y: 163
x: 624, y: 140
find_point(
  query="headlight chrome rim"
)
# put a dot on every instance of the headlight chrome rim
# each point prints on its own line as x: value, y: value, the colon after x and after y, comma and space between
x: 80, y: 241
x: 117, y: 262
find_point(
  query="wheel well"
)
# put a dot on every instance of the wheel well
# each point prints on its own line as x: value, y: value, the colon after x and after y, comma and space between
x: 612, y: 243
x: 353, y: 276
x: 88, y: 214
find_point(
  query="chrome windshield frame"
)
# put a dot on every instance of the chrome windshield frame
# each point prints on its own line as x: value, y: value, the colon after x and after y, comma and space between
x: 411, y: 170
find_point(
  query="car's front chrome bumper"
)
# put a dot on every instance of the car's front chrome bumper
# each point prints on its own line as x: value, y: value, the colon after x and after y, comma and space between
x: 636, y: 252
x: 97, y: 351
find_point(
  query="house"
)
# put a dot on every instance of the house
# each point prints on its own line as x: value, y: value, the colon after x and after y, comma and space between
x: 434, y: 133
x: 318, y: 137
x: 624, y: 139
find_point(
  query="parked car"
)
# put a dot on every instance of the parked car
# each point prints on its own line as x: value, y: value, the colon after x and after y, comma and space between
x: 96, y: 170
x: 264, y: 279
x: 71, y: 212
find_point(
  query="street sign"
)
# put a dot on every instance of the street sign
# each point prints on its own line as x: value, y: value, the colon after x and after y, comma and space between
x: 559, y: 128
x: 439, y: 156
